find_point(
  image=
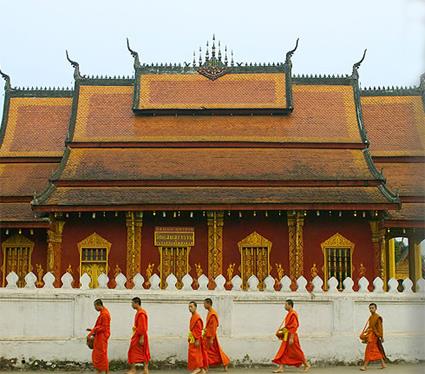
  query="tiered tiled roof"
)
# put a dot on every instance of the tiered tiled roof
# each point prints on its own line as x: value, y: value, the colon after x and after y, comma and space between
x: 395, y: 122
x: 32, y: 140
x: 313, y: 156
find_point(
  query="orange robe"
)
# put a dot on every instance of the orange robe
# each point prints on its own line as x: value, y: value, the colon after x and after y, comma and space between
x: 137, y: 353
x: 215, y: 354
x: 290, y: 354
x: 101, y: 332
x: 197, y: 356
x: 375, y: 332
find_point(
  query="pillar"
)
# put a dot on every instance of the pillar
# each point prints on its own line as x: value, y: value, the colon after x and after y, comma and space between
x: 391, y: 258
x: 134, y: 223
x: 378, y: 242
x: 415, y: 260
x: 54, y: 248
x: 292, y: 231
x: 299, y: 244
x: 215, y: 221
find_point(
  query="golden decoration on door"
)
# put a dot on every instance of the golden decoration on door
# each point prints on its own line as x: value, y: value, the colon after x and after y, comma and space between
x: 174, y: 244
x: 94, y: 253
x: 255, y: 258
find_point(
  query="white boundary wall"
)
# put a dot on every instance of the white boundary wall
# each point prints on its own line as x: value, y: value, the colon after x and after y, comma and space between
x: 49, y: 323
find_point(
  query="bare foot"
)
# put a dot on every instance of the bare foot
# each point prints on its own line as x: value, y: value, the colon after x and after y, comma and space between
x: 383, y: 366
x: 363, y: 368
x: 225, y: 367
x: 277, y: 371
x: 307, y: 367
x: 196, y: 371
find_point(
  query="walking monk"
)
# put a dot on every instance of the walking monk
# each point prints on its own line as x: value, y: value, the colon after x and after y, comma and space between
x: 214, y: 352
x: 101, y: 332
x: 138, y: 352
x: 197, y: 359
x: 374, y: 335
x: 290, y: 352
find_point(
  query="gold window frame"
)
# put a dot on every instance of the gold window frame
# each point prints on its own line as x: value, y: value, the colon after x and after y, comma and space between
x: 336, y: 241
x: 15, y: 242
x: 253, y: 240
x: 94, y: 241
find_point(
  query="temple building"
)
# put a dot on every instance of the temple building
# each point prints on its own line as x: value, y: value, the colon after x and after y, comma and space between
x: 213, y: 167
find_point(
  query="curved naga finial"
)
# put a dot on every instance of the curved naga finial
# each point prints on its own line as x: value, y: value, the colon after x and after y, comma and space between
x: 76, y: 67
x: 356, y: 66
x: 7, y: 85
x: 135, y: 56
x: 291, y: 52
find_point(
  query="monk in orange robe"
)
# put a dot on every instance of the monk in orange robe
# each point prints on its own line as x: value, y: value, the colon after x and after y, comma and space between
x: 139, y: 352
x: 375, y: 338
x: 197, y: 359
x: 215, y: 354
x: 290, y: 352
x: 101, y: 333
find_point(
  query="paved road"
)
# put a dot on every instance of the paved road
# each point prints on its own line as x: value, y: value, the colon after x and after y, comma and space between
x: 392, y: 369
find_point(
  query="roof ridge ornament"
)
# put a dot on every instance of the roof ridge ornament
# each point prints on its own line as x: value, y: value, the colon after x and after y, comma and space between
x: 290, y: 53
x: 212, y: 67
x: 355, y: 72
x: 135, y: 55
x: 7, y: 85
x: 75, y: 65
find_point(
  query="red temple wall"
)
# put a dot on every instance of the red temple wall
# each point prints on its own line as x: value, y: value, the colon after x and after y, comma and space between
x: 198, y: 253
x: 273, y: 228
x: 112, y: 229
x: 357, y: 230
x: 39, y: 254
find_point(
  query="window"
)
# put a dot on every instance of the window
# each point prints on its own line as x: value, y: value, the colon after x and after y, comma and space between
x: 94, y: 252
x: 17, y: 251
x: 337, y: 252
x: 255, y: 258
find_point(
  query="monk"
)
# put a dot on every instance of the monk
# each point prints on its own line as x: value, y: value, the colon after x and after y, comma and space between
x: 290, y: 352
x: 101, y: 333
x: 375, y: 338
x: 215, y: 354
x: 197, y: 360
x: 138, y: 352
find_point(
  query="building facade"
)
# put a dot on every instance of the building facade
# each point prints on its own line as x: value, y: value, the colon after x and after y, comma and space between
x: 213, y: 167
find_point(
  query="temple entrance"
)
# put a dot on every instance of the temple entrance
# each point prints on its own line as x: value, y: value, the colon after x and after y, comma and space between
x: 174, y: 244
x: 173, y: 260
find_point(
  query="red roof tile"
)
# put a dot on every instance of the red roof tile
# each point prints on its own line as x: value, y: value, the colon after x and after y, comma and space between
x: 24, y: 179
x: 408, y: 178
x: 194, y: 91
x: 215, y: 164
x: 36, y: 126
x: 322, y: 114
x: 395, y: 125
x: 113, y: 196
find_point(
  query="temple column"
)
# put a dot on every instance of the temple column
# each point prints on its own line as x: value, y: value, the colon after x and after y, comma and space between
x: 415, y: 260
x: 54, y: 248
x: 215, y: 221
x: 391, y: 258
x: 377, y: 249
x: 292, y: 234
x: 134, y: 223
x: 299, y: 245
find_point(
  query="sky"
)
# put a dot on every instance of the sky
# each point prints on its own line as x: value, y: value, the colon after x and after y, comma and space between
x: 333, y: 34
